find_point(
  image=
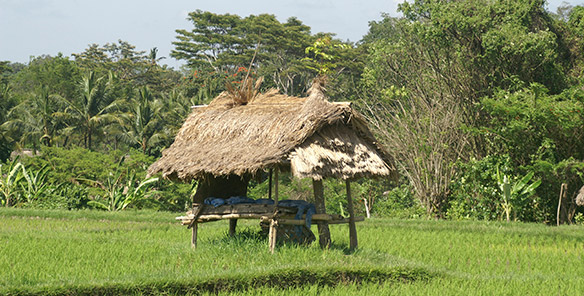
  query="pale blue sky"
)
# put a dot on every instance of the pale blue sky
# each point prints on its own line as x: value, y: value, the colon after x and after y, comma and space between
x: 36, y: 27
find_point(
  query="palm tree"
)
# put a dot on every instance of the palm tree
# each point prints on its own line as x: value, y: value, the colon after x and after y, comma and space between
x: 143, y: 123
x: 34, y: 120
x: 153, y: 56
x: 45, y: 108
x: 5, y: 139
x: 93, y: 109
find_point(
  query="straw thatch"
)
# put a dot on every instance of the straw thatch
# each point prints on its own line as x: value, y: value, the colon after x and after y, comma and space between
x: 311, y: 136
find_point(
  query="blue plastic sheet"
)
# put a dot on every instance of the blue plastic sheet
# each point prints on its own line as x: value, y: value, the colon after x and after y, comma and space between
x: 303, y: 207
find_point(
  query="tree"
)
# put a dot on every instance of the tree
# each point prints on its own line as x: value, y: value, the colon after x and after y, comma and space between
x: 213, y: 36
x: 144, y: 126
x: 133, y: 68
x: 428, y: 70
x: 283, y: 64
x: 153, y: 56
x: 34, y: 119
x: 93, y: 109
x: 224, y: 43
x: 425, y: 137
x: 499, y: 42
x: 6, y: 103
x: 412, y: 89
x: 58, y: 74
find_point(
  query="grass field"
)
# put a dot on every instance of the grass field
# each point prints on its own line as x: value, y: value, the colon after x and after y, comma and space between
x: 89, y: 252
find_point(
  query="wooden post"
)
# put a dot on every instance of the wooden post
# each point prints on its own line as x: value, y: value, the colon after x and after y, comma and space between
x: 195, y: 228
x: 273, y: 223
x: 324, y: 234
x: 562, y: 213
x: 197, y: 209
x: 272, y: 235
x: 232, y: 226
x: 270, y: 185
x: 352, y: 228
x: 276, y: 193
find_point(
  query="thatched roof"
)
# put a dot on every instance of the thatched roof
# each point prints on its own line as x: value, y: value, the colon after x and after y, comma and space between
x: 311, y: 136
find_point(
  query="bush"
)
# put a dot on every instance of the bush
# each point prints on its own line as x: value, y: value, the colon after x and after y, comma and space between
x: 399, y: 202
x: 474, y: 192
x: 68, y: 182
x: 63, y: 196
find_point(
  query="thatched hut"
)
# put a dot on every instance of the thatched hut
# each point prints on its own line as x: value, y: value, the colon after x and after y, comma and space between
x: 224, y: 144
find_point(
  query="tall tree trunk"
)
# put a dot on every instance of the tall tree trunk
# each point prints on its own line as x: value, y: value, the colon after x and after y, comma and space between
x: 89, y: 132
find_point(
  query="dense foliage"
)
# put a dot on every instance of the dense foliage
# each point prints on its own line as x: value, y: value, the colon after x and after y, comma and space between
x: 459, y: 89
x: 480, y: 102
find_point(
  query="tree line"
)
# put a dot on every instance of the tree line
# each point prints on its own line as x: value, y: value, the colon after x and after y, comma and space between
x: 480, y: 102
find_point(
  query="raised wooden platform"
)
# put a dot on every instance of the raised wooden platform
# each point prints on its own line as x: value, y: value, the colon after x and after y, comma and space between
x: 273, y: 215
x: 283, y: 215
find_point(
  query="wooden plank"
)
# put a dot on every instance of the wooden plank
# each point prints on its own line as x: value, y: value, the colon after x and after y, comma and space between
x: 282, y: 221
x: 352, y: 228
x: 321, y: 217
x: 245, y: 208
x: 210, y: 218
x: 186, y: 220
x: 324, y: 234
x: 346, y: 220
x: 315, y: 217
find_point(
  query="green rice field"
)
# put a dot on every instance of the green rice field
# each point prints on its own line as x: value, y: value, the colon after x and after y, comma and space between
x: 101, y: 253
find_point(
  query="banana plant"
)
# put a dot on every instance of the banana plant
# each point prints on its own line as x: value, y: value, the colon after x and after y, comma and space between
x: 121, y: 190
x: 36, y: 183
x: 10, y: 177
x: 513, y: 193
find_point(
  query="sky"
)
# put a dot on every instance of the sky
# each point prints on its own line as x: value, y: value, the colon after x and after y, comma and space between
x: 38, y: 27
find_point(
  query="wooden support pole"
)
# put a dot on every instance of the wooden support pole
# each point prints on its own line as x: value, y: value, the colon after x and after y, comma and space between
x: 197, y: 209
x: 270, y: 185
x: 272, y: 235
x: 276, y: 193
x: 324, y: 234
x: 195, y: 228
x: 232, y: 226
x: 352, y: 228
x: 273, y: 223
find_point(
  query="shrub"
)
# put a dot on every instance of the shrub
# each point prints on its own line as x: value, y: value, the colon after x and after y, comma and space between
x: 399, y: 202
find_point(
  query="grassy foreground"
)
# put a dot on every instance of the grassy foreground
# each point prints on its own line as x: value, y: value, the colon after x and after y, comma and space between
x: 88, y: 252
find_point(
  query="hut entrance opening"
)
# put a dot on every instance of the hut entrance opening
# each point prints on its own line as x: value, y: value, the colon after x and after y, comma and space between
x: 221, y: 187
